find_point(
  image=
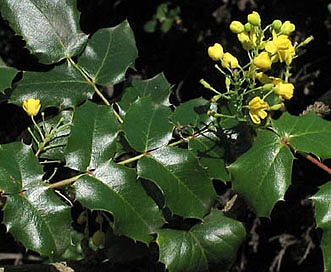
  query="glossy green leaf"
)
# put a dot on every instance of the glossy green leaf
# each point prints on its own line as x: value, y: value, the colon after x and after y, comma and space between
x: 146, y: 125
x: 109, y: 53
x: 187, y: 189
x: 7, y: 75
x: 157, y: 88
x: 50, y: 28
x: 114, y: 188
x: 192, y: 113
x: 93, y: 137
x: 309, y: 133
x: 322, y: 201
x: 208, y: 149
x: 215, y: 241
x: 63, y: 86
x: 33, y: 214
x: 263, y: 174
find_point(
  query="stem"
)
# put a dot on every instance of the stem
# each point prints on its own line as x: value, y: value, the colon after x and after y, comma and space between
x: 316, y: 162
x: 132, y: 159
x: 65, y: 181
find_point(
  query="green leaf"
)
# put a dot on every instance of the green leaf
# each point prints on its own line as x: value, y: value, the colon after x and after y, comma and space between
x: 322, y: 201
x: 308, y: 133
x: 146, y: 125
x: 157, y: 88
x: 263, y: 174
x: 215, y: 241
x: 192, y: 112
x: 109, y: 53
x: 93, y: 137
x: 50, y: 28
x: 7, y: 75
x: 187, y: 189
x: 210, y: 153
x: 33, y: 214
x: 63, y: 86
x: 114, y: 188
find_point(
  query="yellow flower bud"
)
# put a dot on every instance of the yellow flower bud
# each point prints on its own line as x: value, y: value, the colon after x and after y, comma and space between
x: 31, y: 106
x: 257, y: 109
x: 245, y: 40
x: 99, y: 238
x: 263, y: 61
x: 284, y: 89
x: 248, y: 27
x: 215, y: 52
x: 254, y: 19
x: 237, y: 27
x: 263, y: 78
x: 229, y: 61
x: 287, y: 28
x: 276, y: 24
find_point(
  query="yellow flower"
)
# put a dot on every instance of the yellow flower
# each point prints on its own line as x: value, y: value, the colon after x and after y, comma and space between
x: 263, y: 78
x: 254, y: 19
x: 257, y: 109
x: 237, y: 27
x: 284, y: 89
x: 281, y: 49
x: 287, y: 28
x: 228, y: 60
x: 263, y: 60
x: 215, y: 52
x: 31, y: 106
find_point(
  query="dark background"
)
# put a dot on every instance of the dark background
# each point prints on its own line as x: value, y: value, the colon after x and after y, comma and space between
x: 290, y: 236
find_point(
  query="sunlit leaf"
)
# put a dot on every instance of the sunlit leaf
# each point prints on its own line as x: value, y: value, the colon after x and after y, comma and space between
x: 215, y: 241
x: 187, y: 189
x: 50, y: 28
x: 114, y: 188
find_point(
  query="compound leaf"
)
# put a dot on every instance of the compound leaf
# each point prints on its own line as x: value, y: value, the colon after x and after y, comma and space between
x: 109, y: 53
x: 215, y: 241
x: 307, y: 133
x: 63, y: 86
x: 263, y: 174
x: 322, y: 201
x: 146, y: 125
x: 50, y: 28
x: 114, y: 188
x: 33, y: 214
x: 186, y: 187
x: 93, y: 137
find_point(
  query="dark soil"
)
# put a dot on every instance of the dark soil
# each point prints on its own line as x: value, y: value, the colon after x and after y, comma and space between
x: 289, y: 239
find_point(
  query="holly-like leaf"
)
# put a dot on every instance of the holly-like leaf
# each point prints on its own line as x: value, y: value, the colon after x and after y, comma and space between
x: 157, y: 88
x: 114, y: 188
x: 50, y: 28
x: 192, y: 113
x: 186, y: 187
x: 263, y: 174
x: 308, y: 133
x: 215, y: 241
x: 146, y: 125
x: 322, y: 201
x: 33, y: 214
x: 7, y: 75
x: 63, y: 86
x: 109, y: 53
x: 93, y: 137
x: 210, y: 153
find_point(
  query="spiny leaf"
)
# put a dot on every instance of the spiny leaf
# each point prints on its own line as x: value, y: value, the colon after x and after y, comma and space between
x: 63, y: 86
x: 33, y: 214
x: 307, y: 133
x: 157, y: 88
x: 215, y: 241
x: 114, y: 188
x: 50, y: 28
x: 109, y: 53
x: 187, y: 189
x: 92, y: 139
x: 322, y: 201
x: 146, y: 125
x: 263, y: 174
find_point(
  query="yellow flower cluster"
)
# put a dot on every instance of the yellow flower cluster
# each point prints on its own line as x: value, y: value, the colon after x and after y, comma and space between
x: 250, y: 86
